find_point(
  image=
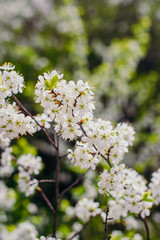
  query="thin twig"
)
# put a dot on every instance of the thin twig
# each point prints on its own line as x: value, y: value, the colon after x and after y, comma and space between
x: 57, y: 188
x: 46, y: 199
x: 144, y: 220
x: 78, y: 232
x: 80, y: 124
x: 63, y: 156
x: 46, y: 181
x: 107, y: 159
x: 106, y: 226
x: 29, y: 114
x: 72, y: 185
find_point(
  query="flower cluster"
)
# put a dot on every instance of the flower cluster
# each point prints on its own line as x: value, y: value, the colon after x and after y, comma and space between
x: 7, y: 197
x: 118, y: 235
x: 6, y: 168
x: 13, y: 122
x: 24, y: 230
x: 4, y: 142
x: 100, y: 140
x: 65, y: 103
x: 85, y: 209
x: 10, y: 82
x: 83, y: 156
x: 154, y: 186
x: 28, y: 165
x: 128, y: 190
x: 43, y: 120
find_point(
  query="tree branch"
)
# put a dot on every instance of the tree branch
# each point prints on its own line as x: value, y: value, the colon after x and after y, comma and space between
x: 144, y: 220
x: 46, y: 199
x: 107, y: 159
x: 106, y: 226
x: 57, y: 188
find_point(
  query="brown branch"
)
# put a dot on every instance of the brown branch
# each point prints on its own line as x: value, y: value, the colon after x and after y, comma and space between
x: 72, y: 185
x: 57, y: 188
x: 144, y: 220
x: 78, y: 232
x: 106, y: 226
x: 80, y: 124
x: 29, y: 114
x: 108, y: 154
x: 46, y: 199
x: 107, y: 159
x: 63, y: 156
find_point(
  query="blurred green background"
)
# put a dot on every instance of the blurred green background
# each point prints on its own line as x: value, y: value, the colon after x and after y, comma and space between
x: 114, y: 44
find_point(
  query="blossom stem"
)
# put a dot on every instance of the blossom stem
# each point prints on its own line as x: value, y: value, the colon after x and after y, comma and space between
x: 144, y: 220
x: 29, y: 114
x: 57, y: 188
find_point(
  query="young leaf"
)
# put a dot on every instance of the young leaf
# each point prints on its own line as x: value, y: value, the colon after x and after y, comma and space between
x: 51, y: 83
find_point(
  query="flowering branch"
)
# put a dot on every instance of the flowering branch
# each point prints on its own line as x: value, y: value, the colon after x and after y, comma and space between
x: 29, y: 114
x: 71, y: 107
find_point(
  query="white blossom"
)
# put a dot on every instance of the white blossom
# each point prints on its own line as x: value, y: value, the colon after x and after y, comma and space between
x: 24, y: 230
x: 30, y: 164
x: 86, y: 209
x: 7, y: 197
x: 154, y: 186
x: 13, y: 122
x: 6, y: 168
x: 127, y: 188
x: 11, y: 82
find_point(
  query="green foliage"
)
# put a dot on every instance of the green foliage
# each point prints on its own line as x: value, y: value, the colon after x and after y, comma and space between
x: 22, y: 146
x: 51, y: 83
x: 147, y: 196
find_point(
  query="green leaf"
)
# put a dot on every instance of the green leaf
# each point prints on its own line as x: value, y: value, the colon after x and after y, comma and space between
x: 146, y: 194
x: 51, y: 83
x: 150, y: 199
x: 147, y: 197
